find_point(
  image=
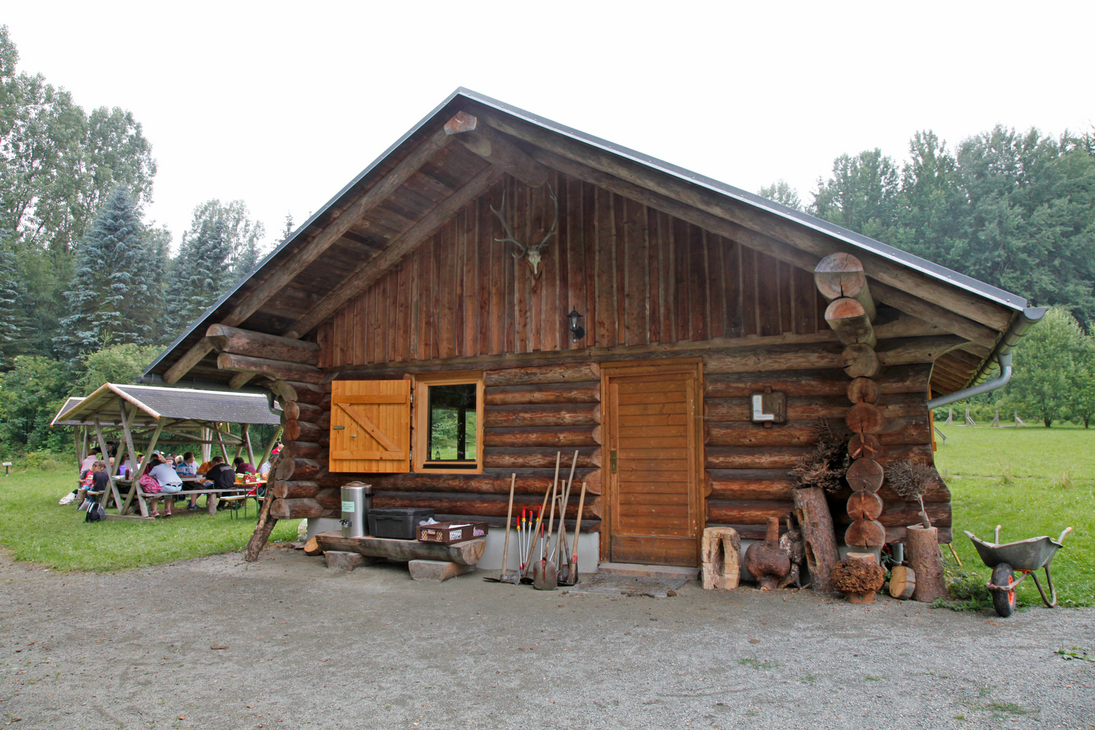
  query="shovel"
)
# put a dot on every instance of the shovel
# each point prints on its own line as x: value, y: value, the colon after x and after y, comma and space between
x: 502, y: 577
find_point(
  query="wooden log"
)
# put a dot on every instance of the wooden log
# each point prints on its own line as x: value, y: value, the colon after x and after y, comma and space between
x: 593, y: 482
x: 863, y: 390
x: 865, y: 418
x: 849, y: 320
x: 538, y: 416
x: 865, y: 506
x: 773, y: 358
x: 343, y: 560
x: 578, y: 372
x: 330, y: 499
x: 436, y: 571
x: 516, y: 457
x: 899, y: 514
x: 917, y: 349
x: 754, y: 457
x: 864, y: 446
x: 310, y: 393
x: 462, y: 553
x: 865, y: 475
x: 303, y: 450
x: 747, y: 512
x: 284, y: 392
x: 842, y: 275
x: 811, y: 408
x: 865, y: 534
x: 937, y: 494
x: 922, y: 553
x: 290, y: 411
x: 860, y: 361
x: 257, y: 344
x: 542, y: 394
x: 497, y: 149
x: 750, y: 484
x: 905, y: 430
x: 312, y: 548
x: 546, y: 436
x: 721, y: 558
x: 896, y: 535
x: 819, y: 537
x: 298, y: 509
x: 492, y: 505
x: 298, y: 469
x: 277, y: 369
x: 305, y: 431
x: 492, y: 481
x: 902, y: 582
x: 294, y: 490
x: 307, y: 412
x: 831, y: 382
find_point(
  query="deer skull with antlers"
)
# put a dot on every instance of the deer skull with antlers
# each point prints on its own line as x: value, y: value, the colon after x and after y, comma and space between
x: 531, y: 253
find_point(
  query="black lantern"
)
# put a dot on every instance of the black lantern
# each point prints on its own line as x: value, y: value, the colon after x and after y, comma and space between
x: 577, y: 332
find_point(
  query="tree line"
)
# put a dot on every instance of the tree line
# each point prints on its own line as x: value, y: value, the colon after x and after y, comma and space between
x: 89, y: 291
x: 1013, y: 209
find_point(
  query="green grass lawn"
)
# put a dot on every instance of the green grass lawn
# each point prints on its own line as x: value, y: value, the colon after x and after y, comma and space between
x: 35, y: 528
x: 1033, y: 481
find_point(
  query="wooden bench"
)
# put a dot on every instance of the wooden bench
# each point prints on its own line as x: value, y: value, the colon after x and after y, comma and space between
x: 428, y: 561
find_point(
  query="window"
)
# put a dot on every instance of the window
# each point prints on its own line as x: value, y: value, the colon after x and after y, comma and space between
x: 449, y: 423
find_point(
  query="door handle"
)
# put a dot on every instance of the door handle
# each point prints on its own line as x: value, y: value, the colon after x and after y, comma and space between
x: 613, y: 461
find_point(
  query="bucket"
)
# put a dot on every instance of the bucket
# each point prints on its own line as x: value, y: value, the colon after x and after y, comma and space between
x: 356, y: 500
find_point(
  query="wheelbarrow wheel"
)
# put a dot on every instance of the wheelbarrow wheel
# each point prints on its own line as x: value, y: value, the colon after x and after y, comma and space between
x: 1003, y: 601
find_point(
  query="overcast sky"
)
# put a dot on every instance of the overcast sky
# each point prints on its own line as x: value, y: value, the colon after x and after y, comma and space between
x: 281, y: 104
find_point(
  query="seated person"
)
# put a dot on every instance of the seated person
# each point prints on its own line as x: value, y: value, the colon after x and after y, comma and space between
x: 169, y: 482
x: 100, y: 482
x: 243, y: 467
x: 264, y: 470
x: 221, y: 476
x: 185, y: 466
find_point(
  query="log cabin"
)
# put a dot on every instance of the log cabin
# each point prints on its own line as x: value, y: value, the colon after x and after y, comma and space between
x: 497, y: 288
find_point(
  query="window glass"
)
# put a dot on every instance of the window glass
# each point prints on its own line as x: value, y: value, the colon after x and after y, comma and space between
x: 451, y: 428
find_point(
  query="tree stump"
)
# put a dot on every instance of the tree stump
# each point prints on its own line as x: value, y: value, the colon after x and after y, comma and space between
x: 927, y: 564
x: 721, y: 550
x: 902, y: 582
x: 858, y: 577
x: 819, y: 536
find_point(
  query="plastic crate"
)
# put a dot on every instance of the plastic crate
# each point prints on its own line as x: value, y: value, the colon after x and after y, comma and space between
x: 399, y: 523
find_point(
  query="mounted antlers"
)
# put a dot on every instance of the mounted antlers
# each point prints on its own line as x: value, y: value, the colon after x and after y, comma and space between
x: 532, y: 253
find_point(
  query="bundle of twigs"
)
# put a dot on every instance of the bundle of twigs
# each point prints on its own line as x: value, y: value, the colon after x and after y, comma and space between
x: 911, y: 481
x: 826, y: 465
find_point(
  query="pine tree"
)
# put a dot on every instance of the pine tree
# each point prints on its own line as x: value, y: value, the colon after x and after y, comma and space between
x: 110, y: 297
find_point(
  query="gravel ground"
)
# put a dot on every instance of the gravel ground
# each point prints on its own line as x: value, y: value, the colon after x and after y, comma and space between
x: 218, y: 643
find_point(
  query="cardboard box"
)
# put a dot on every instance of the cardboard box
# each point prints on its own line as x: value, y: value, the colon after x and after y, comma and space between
x: 447, y: 533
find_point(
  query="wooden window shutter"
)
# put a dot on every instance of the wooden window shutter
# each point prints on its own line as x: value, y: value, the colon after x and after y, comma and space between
x: 370, y: 426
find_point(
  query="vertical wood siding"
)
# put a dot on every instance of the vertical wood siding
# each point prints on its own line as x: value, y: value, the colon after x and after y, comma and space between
x: 638, y: 276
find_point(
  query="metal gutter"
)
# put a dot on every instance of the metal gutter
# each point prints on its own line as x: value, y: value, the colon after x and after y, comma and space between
x: 1022, y: 324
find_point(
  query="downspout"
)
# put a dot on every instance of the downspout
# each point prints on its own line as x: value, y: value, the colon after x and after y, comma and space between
x: 1027, y: 319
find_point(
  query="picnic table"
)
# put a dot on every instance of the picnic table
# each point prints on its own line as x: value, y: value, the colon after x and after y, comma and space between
x: 192, y: 486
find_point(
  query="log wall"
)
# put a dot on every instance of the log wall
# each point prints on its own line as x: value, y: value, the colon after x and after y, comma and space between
x: 638, y: 277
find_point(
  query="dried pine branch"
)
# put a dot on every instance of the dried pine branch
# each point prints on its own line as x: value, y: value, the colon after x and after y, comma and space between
x: 911, y: 481
x: 826, y: 465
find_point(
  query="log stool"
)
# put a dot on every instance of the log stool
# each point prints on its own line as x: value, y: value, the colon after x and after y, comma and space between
x: 721, y: 551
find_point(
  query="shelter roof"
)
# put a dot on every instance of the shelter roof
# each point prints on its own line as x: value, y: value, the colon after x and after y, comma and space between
x: 415, y: 185
x: 154, y: 404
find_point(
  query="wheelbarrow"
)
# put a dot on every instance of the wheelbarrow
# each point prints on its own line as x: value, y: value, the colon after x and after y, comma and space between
x: 1025, y: 556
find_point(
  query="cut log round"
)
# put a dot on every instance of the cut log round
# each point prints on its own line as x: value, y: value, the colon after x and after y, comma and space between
x: 865, y: 475
x: 812, y: 512
x: 312, y: 547
x: 860, y: 361
x: 865, y: 418
x: 841, y: 275
x: 721, y: 558
x: 864, y: 506
x: 865, y: 534
x: 291, y: 410
x: 864, y: 446
x: 849, y: 320
x: 863, y: 390
x: 902, y: 582
x: 923, y: 555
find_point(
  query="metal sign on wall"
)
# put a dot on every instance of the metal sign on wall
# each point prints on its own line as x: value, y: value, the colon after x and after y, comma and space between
x: 768, y: 407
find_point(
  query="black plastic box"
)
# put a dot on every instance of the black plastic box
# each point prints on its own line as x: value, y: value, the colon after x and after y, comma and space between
x: 400, y: 523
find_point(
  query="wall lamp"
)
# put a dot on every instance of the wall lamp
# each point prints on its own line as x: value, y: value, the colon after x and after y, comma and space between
x: 577, y: 332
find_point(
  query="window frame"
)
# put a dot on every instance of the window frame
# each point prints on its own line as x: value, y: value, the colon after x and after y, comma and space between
x: 421, y: 415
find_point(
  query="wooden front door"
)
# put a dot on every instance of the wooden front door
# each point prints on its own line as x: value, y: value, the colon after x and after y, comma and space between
x: 653, y: 475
